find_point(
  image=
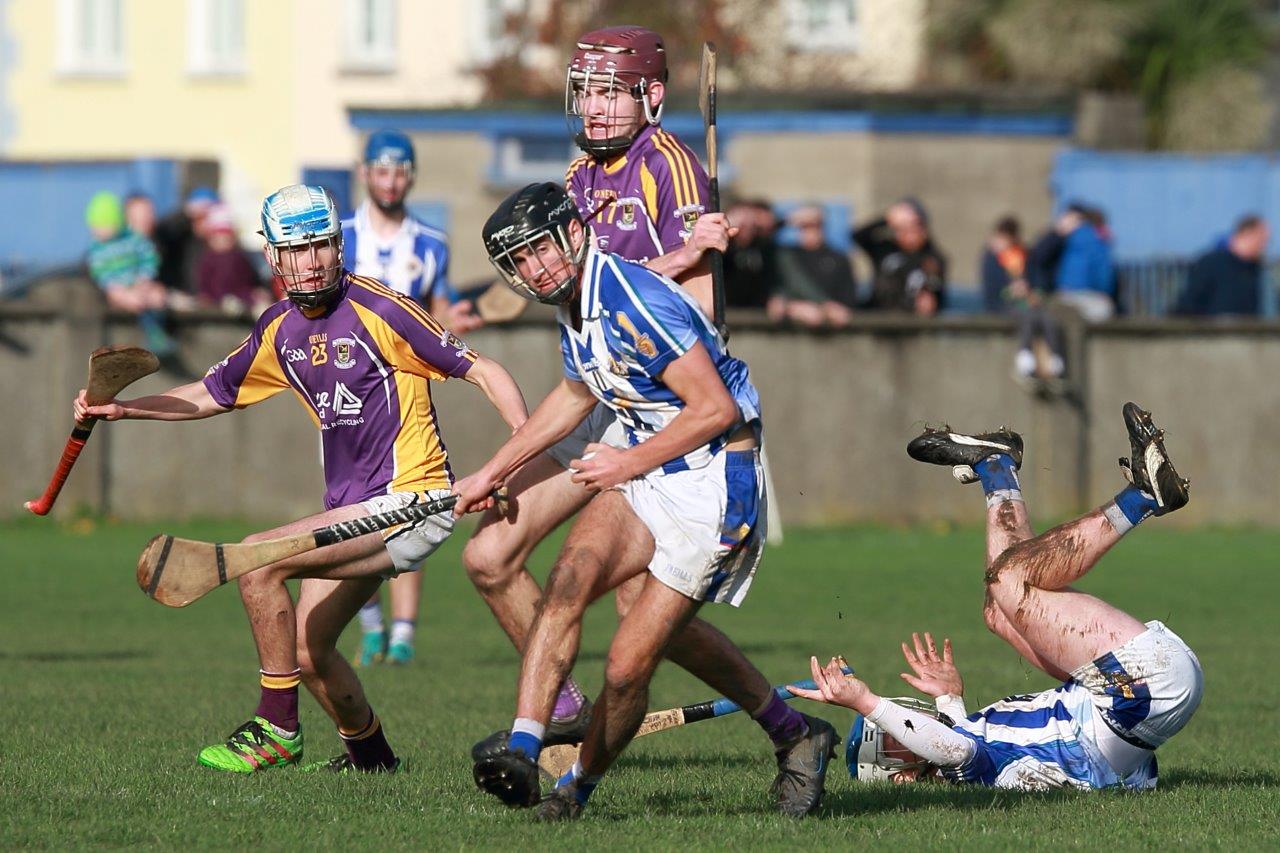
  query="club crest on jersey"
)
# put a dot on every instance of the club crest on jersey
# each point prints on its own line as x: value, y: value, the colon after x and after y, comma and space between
x: 643, y: 343
x: 344, y: 353
x: 688, y: 216
x: 626, y: 220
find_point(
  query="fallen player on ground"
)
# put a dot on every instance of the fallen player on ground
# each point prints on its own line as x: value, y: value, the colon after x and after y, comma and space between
x: 1127, y: 687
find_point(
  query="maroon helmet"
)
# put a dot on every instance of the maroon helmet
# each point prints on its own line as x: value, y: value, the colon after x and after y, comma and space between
x: 621, y: 59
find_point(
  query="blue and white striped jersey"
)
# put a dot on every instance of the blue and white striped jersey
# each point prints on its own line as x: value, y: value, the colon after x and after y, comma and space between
x: 1043, y: 740
x: 414, y: 262
x: 635, y: 322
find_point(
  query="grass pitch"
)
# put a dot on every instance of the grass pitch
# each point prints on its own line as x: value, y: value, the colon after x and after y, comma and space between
x: 107, y: 697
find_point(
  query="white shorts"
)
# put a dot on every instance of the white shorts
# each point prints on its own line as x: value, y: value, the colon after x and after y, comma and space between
x: 599, y: 427
x: 410, y: 544
x: 708, y: 525
x: 1147, y: 689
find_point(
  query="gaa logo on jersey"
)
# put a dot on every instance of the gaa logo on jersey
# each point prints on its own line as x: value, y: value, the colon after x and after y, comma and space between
x: 344, y: 353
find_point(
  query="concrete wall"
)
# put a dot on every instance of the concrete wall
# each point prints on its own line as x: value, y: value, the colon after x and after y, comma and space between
x: 839, y: 409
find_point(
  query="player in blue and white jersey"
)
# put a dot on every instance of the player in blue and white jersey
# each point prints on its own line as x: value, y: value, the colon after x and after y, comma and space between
x: 383, y: 240
x: 681, y: 505
x: 1127, y: 687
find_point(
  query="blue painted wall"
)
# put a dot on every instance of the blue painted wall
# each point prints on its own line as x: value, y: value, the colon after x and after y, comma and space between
x: 42, y: 204
x: 1170, y: 205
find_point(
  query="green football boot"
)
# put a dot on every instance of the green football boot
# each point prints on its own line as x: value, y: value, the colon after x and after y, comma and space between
x: 373, y: 648
x: 253, y: 746
x: 400, y: 653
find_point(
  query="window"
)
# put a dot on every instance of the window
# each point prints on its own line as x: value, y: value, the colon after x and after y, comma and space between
x: 215, y: 36
x: 370, y: 36
x: 519, y: 160
x: 91, y: 37
x: 822, y: 25
x: 491, y: 24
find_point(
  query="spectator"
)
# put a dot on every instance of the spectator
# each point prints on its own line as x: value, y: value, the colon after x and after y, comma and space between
x: 750, y: 265
x: 1004, y: 265
x: 124, y: 265
x: 910, y: 271
x: 224, y: 276
x: 1085, y: 275
x: 1006, y: 289
x: 815, y: 281
x: 1228, y: 278
x: 140, y: 215
x: 179, y: 238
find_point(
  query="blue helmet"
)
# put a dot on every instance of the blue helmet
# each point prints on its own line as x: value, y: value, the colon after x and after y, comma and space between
x: 389, y: 147
x: 301, y: 215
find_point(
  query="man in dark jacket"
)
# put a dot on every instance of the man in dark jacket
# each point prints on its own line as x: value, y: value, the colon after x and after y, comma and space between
x: 910, y: 271
x: 1228, y: 278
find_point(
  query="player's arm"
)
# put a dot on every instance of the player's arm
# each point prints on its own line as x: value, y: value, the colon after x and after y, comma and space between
x: 708, y: 411
x: 556, y: 416
x: 184, y: 403
x: 503, y: 392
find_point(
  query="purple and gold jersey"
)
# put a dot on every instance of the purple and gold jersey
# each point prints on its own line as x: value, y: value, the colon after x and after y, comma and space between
x: 361, y: 369
x: 647, y: 199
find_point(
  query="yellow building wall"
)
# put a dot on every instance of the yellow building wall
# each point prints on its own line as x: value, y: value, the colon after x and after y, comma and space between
x: 156, y: 107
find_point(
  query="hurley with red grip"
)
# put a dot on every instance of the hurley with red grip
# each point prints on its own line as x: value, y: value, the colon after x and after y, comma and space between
x: 111, y: 370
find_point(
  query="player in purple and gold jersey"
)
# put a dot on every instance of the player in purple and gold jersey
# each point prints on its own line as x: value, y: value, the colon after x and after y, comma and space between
x: 642, y: 193
x: 359, y: 357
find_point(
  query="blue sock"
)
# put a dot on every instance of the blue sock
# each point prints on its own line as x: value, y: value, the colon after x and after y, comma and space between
x: 585, y: 784
x: 526, y: 736
x: 999, y: 478
x: 1129, y: 509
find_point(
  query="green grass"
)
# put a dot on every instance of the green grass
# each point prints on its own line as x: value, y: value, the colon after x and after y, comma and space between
x: 105, y: 698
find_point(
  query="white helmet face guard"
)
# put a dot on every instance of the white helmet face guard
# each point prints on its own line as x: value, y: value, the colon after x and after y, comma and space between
x: 293, y: 281
x: 579, y: 83
x: 865, y: 754
x: 505, y: 263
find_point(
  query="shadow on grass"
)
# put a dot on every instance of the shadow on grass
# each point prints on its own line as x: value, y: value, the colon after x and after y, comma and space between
x: 75, y: 656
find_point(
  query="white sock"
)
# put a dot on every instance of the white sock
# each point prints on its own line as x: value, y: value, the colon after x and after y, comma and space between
x: 371, y: 618
x: 1025, y: 362
x: 529, y: 727
x: 402, y: 631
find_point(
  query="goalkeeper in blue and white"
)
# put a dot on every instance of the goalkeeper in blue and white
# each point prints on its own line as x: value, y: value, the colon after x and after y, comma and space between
x: 1127, y: 687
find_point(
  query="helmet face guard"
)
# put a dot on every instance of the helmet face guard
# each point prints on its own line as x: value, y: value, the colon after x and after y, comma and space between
x: 301, y: 216
x: 570, y: 265
x: 870, y: 759
x: 609, y: 65
x: 313, y: 297
x: 613, y: 88
x: 523, y: 224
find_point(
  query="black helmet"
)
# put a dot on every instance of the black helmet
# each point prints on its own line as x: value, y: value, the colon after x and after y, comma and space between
x: 524, y: 218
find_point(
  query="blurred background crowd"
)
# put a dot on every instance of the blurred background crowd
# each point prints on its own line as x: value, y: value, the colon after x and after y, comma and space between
x: 1042, y: 161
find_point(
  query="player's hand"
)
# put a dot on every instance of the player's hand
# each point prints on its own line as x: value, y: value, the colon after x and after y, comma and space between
x: 601, y: 467
x: 475, y: 493
x: 80, y: 407
x: 462, y: 318
x: 710, y: 231
x: 934, y: 675
x: 835, y: 687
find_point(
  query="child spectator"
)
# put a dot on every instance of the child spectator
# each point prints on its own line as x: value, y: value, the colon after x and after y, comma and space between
x: 124, y: 265
x: 224, y: 276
